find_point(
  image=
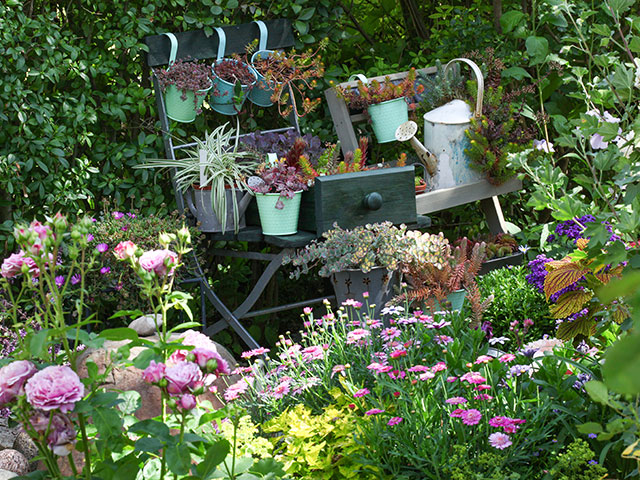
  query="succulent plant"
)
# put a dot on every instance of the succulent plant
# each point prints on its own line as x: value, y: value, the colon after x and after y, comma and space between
x: 187, y: 76
x: 280, y: 178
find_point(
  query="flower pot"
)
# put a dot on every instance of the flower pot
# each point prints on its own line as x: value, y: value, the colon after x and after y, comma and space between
x: 456, y: 299
x: 275, y: 221
x: 386, y: 117
x: 378, y: 282
x: 421, y: 188
x: 183, y: 110
x: 261, y: 93
x: 222, y: 101
x: 202, y: 208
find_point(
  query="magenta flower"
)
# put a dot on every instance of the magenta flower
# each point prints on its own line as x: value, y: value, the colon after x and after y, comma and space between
x: 237, y: 389
x: 102, y: 247
x: 187, y: 402
x: 356, y: 335
x: 75, y: 279
x: 373, y: 411
x: 379, y: 368
x: 117, y: 215
x: 307, y: 310
x: 55, y: 387
x: 394, y: 421
x: 473, y: 377
x: 442, y: 339
x: 361, y: 393
x: 154, y: 372
x: 483, y: 396
x: 183, y: 378
x: 507, y: 357
x: 12, y: 379
x: 255, y: 352
x: 282, y: 389
x: 483, y: 359
x: 471, y: 417
x: 418, y: 368
x: 438, y: 367
x: 315, y: 352
x: 159, y: 261
x: 389, y: 333
x: 90, y: 238
x: 105, y: 270
x: 12, y: 265
x: 451, y: 379
x: 499, y: 440
x: 131, y: 215
x: 62, y: 435
x: 457, y: 413
x: 205, y: 359
x: 125, y: 250
x: 455, y: 400
x: 59, y: 281
x: 482, y: 387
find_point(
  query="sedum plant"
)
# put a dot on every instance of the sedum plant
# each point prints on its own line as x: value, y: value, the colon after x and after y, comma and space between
x: 187, y: 76
x: 213, y: 163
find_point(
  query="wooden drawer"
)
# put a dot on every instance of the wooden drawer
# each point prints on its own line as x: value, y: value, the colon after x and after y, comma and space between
x: 352, y: 199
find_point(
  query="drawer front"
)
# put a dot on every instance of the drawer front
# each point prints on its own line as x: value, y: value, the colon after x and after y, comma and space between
x: 372, y: 196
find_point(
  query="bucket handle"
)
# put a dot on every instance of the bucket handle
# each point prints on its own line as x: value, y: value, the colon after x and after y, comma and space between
x: 264, y: 34
x: 174, y: 47
x: 358, y: 76
x: 479, y: 78
x: 222, y: 43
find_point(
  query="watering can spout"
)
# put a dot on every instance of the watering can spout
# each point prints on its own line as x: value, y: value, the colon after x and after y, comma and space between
x: 407, y: 131
x: 244, y: 203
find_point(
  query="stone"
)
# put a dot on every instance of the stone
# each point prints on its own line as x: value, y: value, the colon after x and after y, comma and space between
x: 5, y: 474
x: 13, y: 461
x: 130, y: 378
x: 7, y: 437
x: 25, y: 445
x: 146, y: 324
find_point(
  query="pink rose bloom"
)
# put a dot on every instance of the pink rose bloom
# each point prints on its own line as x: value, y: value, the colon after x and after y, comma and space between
x: 125, y: 250
x: 12, y: 265
x: 12, y: 379
x: 204, y: 355
x: 183, y: 377
x: 194, y: 339
x: 158, y: 261
x: 54, y: 387
x: 394, y: 421
x: 187, y: 402
x: 154, y: 372
x: 471, y: 417
x: 499, y: 440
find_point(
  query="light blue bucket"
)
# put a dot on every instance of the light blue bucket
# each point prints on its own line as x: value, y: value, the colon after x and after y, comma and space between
x: 387, y: 116
x: 260, y: 94
x: 278, y: 221
x: 456, y: 299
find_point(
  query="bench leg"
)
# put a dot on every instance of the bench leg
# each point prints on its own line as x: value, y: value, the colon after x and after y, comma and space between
x: 493, y: 214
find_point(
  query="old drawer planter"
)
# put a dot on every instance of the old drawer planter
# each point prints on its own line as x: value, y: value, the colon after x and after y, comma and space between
x: 353, y: 199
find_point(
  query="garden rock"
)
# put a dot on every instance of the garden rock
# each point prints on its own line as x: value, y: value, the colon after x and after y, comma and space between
x: 13, y: 461
x: 4, y: 474
x: 25, y: 446
x: 7, y: 435
x: 147, y: 324
x: 130, y: 378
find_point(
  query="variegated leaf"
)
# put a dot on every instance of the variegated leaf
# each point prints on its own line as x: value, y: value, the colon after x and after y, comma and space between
x: 582, y: 326
x: 632, y: 451
x: 570, y: 303
x: 562, y: 276
x: 582, y: 243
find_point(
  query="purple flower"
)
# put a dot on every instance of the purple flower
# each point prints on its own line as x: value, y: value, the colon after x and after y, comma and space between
x: 105, y: 270
x: 361, y: 393
x: 499, y: 440
x: 54, y: 387
x: 394, y: 421
x: 75, y: 279
x: 90, y: 238
x: 183, y: 378
x: 373, y: 411
x: 455, y: 400
x: 154, y: 372
x: 12, y: 379
x: 131, y: 215
x: 187, y: 402
x: 543, y: 146
x: 102, y: 247
x: 117, y: 215
x: 62, y: 435
x: 59, y: 281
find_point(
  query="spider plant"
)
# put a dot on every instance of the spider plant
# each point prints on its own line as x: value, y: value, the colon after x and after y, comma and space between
x: 212, y: 163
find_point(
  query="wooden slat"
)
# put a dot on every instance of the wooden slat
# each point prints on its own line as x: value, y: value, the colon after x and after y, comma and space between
x: 195, y: 44
x: 451, y: 197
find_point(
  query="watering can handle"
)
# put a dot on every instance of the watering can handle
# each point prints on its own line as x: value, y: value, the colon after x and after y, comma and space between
x: 358, y: 76
x: 479, y: 78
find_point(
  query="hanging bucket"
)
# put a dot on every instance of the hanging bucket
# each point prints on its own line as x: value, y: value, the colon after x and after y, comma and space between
x: 260, y: 94
x: 387, y: 116
x: 444, y: 136
x: 278, y: 221
x: 177, y: 108
x: 223, y: 101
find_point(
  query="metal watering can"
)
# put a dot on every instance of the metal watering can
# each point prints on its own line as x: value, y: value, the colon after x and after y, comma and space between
x: 444, y: 135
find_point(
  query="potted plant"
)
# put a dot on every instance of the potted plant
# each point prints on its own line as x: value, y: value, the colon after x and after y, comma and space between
x: 278, y: 190
x: 284, y: 77
x: 185, y: 83
x: 364, y: 259
x: 216, y: 171
x: 439, y: 276
x: 421, y: 185
x: 385, y: 103
x: 233, y: 79
x: 501, y: 250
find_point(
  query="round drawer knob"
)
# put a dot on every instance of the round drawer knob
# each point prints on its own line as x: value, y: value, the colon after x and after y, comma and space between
x: 373, y: 201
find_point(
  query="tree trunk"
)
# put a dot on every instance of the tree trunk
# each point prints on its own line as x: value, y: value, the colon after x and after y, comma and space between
x: 497, y: 13
x: 413, y: 19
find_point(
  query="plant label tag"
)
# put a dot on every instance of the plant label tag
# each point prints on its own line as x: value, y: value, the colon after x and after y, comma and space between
x: 272, y: 159
x: 203, y: 163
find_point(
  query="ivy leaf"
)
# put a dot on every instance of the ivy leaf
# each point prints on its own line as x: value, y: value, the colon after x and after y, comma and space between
x: 570, y: 303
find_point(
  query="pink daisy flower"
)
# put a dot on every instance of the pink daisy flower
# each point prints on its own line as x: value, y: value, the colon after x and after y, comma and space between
x: 373, y: 411
x: 456, y: 400
x: 418, y: 368
x: 507, y: 357
x: 483, y: 359
x: 471, y: 417
x: 394, y: 421
x: 473, y: 377
x: 499, y: 440
x: 389, y: 333
x: 356, y: 335
x: 451, y: 379
x: 361, y: 393
x: 483, y: 396
x: 457, y: 413
x: 438, y: 367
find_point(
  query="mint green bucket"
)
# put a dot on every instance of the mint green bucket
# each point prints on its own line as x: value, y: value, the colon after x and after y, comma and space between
x: 456, y: 299
x: 278, y: 222
x: 222, y: 101
x: 183, y: 110
x: 260, y: 94
x: 387, y: 116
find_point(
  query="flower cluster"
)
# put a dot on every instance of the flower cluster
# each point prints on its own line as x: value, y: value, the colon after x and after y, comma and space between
x: 50, y: 394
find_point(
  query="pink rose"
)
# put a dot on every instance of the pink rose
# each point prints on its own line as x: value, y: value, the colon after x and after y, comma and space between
x: 159, y: 261
x: 154, y: 372
x: 54, y: 387
x: 187, y: 402
x: 204, y: 356
x: 125, y: 250
x: 12, y: 379
x: 194, y: 339
x: 62, y: 435
x: 183, y: 378
x: 12, y: 265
